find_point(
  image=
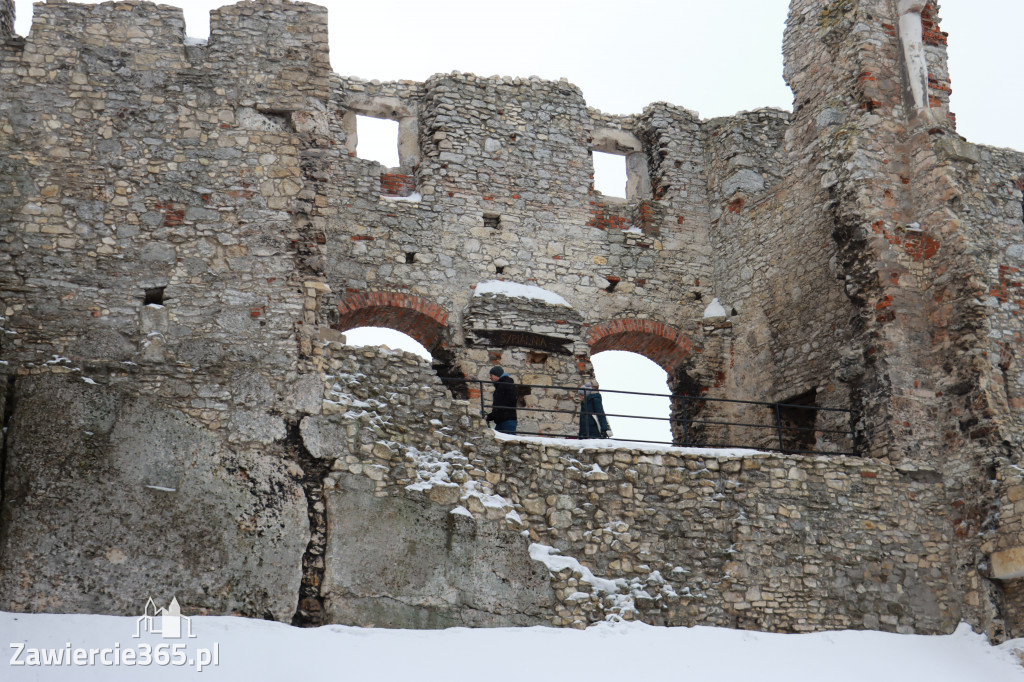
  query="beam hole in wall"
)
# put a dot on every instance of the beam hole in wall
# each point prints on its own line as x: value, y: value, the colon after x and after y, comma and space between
x: 610, y: 174
x: 499, y: 269
x: 377, y: 140
x: 492, y: 220
x: 153, y: 296
x: 613, y: 282
x: 617, y: 370
x: 410, y: 256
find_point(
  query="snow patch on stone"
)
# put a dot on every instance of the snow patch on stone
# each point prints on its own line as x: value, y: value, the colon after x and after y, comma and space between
x: 515, y: 290
x: 714, y: 309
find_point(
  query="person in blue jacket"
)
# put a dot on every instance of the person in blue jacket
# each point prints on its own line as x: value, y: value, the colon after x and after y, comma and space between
x: 503, y: 405
x: 593, y: 423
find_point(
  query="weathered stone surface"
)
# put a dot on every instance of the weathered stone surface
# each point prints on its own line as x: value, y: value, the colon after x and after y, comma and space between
x: 1008, y: 564
x: 405, y: 562
x: 110, y: 498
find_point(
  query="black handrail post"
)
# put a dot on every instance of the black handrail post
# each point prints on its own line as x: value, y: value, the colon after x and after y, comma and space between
x: 483, y: 412
x: 853, y: 436
x: 778, y: 426
x: 686, y: 424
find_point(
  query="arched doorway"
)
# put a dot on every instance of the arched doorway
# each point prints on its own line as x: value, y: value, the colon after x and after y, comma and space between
x: 618, y: 370
x: 664, y: 346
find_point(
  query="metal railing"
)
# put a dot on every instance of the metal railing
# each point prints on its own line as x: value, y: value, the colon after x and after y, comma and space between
x: 788, y: 432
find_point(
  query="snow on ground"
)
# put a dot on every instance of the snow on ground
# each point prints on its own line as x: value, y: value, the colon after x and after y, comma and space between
x: 514, y: 290
x: 262, y: 650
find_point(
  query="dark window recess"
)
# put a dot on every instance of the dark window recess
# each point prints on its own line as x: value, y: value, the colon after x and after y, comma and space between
x: 410, y: 257
x: 685, y: 410
x: 797, y: 420
x: 492, y: 220
x: 154, y: 295
x: 446, y: 366
x: 499, y: 269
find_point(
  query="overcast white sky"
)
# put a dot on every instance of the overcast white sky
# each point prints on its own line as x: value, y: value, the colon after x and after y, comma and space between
x: 716, y: 58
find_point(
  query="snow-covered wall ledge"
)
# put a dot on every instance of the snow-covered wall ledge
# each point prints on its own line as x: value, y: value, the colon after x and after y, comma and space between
x: 499, y: 287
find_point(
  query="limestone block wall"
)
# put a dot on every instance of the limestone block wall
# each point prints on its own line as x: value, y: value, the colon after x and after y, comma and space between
x: 393, y: 455
x: 677, y: 537
x: 132, y: 181
x: 504, y: 192
x: 993, y: 224
x: 153, y: 295
x: 775, y: 269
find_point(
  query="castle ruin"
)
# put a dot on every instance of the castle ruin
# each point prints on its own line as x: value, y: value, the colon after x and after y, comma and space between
x: 187, y: 232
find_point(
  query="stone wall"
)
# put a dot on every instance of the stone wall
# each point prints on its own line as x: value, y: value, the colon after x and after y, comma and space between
x: 504, y: 192
x: 188, y: 229
x: 679, y: 537
x: 995, y: 228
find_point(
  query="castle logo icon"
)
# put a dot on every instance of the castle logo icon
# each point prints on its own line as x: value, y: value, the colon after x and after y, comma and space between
x: 165, y: 622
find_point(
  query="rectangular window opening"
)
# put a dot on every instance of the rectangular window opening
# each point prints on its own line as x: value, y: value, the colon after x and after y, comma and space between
x: 377, y: 140
x: 610, y: 174
x: 153, y: 296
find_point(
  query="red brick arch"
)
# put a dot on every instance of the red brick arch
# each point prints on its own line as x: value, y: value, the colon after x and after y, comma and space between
x: 421, y: 319
x: 656, y: 341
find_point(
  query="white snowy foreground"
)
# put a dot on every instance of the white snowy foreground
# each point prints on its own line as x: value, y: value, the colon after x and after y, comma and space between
x: 247, y: 649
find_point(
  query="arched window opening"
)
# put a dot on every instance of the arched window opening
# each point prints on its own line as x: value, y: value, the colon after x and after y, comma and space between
x: 389, y: 338
x: 618, y: 370
x: 441, y: 360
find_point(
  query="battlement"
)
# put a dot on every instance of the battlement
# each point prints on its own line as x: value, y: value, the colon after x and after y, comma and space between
x: 270, y: 54
x: 6, y: 19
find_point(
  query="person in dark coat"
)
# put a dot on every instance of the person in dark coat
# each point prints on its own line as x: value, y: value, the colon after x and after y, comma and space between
x: 503, y: 405
x: 593, y: 423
